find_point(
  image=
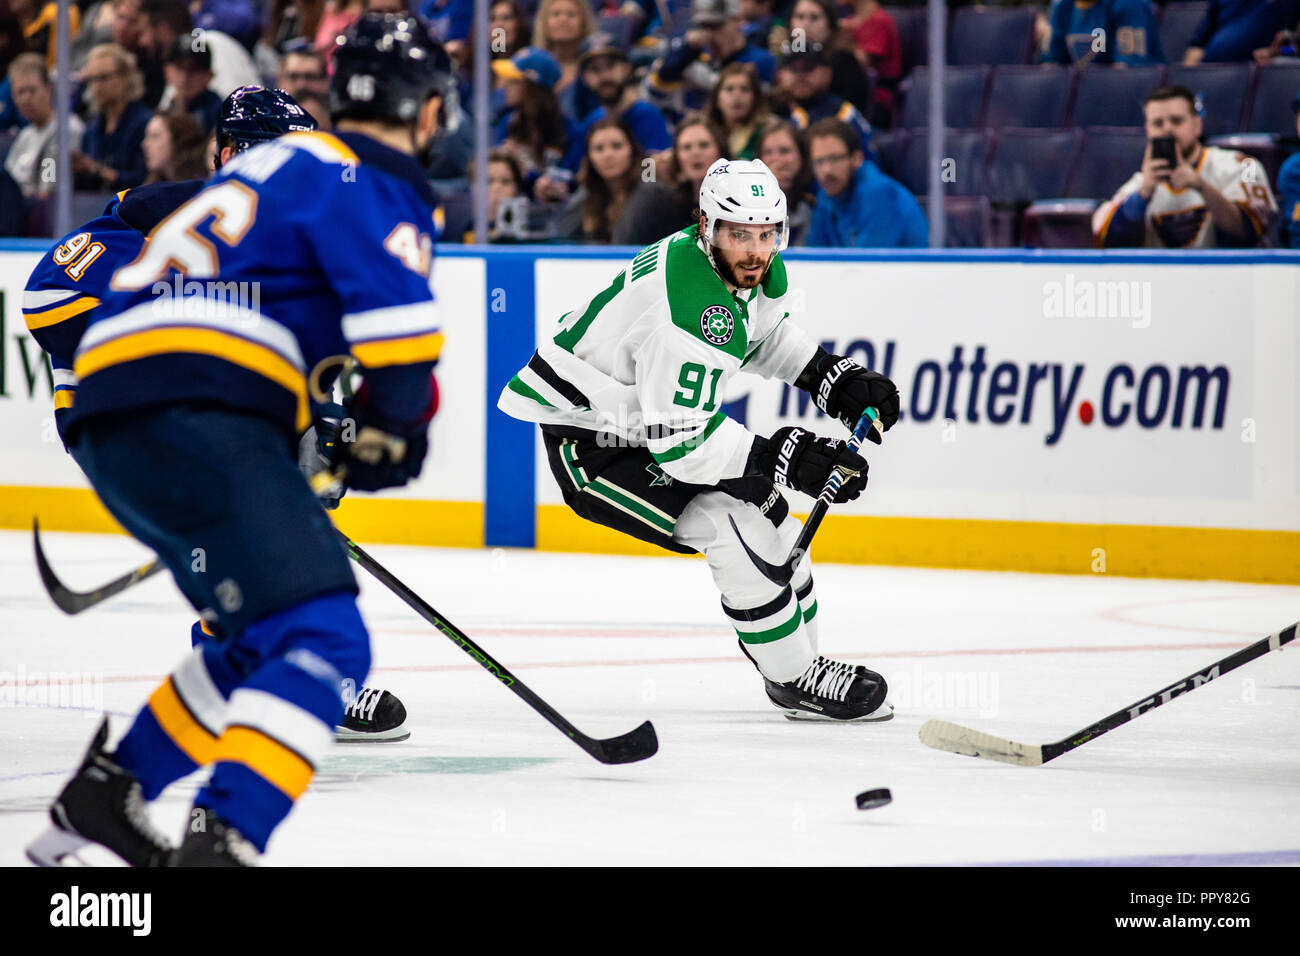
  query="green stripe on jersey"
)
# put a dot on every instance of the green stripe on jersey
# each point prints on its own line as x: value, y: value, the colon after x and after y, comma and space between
x: 518, y: 385
x: 809, y: 614
x: 645, y: 262
x: 692, y: 443
x: 569, y: 338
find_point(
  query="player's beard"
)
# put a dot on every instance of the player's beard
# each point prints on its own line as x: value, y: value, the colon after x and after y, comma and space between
x: 728, y: 272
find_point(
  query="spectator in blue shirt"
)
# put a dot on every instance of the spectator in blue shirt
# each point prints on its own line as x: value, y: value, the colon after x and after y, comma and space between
x: 858, y: 206
x: 1088, y: 32
x: 683, y: 77
x: 1288, y: 191
x: 110, y: 157
x: 1232, y: 30
x: 607, y: 72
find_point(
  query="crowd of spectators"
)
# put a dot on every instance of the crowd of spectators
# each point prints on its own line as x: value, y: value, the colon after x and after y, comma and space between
x: 607, y: 113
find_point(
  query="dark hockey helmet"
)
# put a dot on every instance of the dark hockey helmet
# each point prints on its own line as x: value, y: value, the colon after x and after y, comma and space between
x: 386, y: 66
x: 253, y: 115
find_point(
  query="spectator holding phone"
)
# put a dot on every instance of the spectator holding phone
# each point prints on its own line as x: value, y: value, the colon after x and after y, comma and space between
x: 1186, y: 196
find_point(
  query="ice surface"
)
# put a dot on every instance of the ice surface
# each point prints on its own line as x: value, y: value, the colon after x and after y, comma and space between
x: 610, y: 641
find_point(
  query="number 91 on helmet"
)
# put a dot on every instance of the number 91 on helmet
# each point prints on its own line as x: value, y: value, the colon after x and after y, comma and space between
x: 743, y: 207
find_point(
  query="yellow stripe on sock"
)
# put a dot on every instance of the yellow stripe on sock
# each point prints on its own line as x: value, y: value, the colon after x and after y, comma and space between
x: 268, y: 758
x: 179, y: 724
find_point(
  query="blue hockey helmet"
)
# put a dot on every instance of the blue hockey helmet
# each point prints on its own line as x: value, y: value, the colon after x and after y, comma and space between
x: 253, y: 114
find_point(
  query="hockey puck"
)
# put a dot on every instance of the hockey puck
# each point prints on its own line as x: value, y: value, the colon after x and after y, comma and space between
x: 870, y: 799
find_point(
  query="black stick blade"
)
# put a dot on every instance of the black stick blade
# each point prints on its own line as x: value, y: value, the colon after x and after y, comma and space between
x: 629, y: 748
x: 780, y: 574
x: 74, y: 602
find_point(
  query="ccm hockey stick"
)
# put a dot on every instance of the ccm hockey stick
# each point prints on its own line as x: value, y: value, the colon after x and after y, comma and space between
x: 635, y: 745
x: 962, y: 740
x: 74, y: 602
x: 783, y: 573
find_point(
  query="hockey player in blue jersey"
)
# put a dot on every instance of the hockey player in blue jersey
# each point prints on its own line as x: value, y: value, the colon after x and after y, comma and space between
x: 69, y: 282
x: 192, y: 390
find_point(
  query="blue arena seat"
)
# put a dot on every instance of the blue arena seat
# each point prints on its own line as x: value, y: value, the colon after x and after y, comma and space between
x: 967, y: 148
x: 1109, y: 96
x: 1030, y: 96
x: 1029, y: 164
x: 913, y: 36
x: 889, y: 146
x: 1221, y: 87
x: 1178, y: 21
x: 966, y: 88
x: 993, y: 35
x: 1276, y: 85
x: 1107, y: 157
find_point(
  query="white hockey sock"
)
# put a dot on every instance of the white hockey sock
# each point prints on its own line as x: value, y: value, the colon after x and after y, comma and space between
x: 774, y: 636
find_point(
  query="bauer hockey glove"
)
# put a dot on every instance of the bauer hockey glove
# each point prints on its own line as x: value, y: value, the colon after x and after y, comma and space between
x: 844, y: 389
x: 796, y: 458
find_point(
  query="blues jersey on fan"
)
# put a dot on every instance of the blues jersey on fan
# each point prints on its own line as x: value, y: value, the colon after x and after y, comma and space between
x: 1104, y: 31
x: 227, y: 307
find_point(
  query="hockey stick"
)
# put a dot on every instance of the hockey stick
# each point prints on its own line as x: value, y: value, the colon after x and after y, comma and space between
x: 783, y: 573
x: 630, y: 747
x: 74, y: 602
x: 962, y: 740
x: 635, y: 745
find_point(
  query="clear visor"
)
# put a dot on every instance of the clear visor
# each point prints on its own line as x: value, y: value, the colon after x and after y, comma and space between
x: 763, y: 238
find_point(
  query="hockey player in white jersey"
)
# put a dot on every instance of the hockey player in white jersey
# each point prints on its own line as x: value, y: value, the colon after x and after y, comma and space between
x: 1205, y: 198
x: 627, y: 394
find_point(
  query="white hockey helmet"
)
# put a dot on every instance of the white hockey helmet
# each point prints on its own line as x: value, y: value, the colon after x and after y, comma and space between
x: 744, y: 191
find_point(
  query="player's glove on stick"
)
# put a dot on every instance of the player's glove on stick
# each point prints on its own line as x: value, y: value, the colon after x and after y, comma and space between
x: 843, y: 388
x: 798, y: 459
x: 315, y: 449
x: 375, y: 454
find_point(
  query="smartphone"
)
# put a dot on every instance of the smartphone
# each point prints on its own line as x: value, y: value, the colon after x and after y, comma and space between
x: 1162, y: 147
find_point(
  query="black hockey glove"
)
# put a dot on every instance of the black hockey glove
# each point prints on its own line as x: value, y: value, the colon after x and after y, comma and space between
x: 843, y: 388
x: 374, y: 454
x: 798, y: 459
x: 314, y: 451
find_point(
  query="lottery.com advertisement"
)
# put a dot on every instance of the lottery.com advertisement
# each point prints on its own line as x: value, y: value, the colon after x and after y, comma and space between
x: 1126, y: 394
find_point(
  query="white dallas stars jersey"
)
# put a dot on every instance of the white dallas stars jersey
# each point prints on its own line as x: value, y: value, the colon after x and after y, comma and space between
x: 1179, y: 219
x: 649, y: 358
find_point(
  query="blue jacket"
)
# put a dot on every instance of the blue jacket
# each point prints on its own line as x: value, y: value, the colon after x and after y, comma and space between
x: 120, y: 149
x: 1288, y: 201
x: 875, y: 212
x: 1233, y: 29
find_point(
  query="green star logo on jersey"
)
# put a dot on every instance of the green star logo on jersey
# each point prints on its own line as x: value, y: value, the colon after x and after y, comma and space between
x: 717, y: 324
x: 659, y: 479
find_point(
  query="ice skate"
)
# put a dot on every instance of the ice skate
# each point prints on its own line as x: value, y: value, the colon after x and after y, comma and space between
x: 101, y: 804
x: 373, y: 716
x: 830, y: 690
x: 216, y: 844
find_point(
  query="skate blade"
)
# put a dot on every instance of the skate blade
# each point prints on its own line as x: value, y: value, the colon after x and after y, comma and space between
x: 55, y: 845
x: 343, y: 735
x: 880, y: 714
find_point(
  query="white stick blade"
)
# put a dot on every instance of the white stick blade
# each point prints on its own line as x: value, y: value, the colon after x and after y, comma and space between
x: 957, y: 739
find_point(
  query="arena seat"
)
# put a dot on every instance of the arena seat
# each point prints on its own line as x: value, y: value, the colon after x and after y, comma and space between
x: 1030, y: 96
x: 992, y: 35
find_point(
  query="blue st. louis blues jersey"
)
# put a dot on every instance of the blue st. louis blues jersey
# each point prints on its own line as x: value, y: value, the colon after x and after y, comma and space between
x: 297, y: 254
x: 67, y: 285
x: 69, y: 282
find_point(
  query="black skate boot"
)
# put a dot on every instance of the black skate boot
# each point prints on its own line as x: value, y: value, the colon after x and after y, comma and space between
x: 216, y: 844
x: 100, y: 804
x: 373, y: 715
x: 830, y: 690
